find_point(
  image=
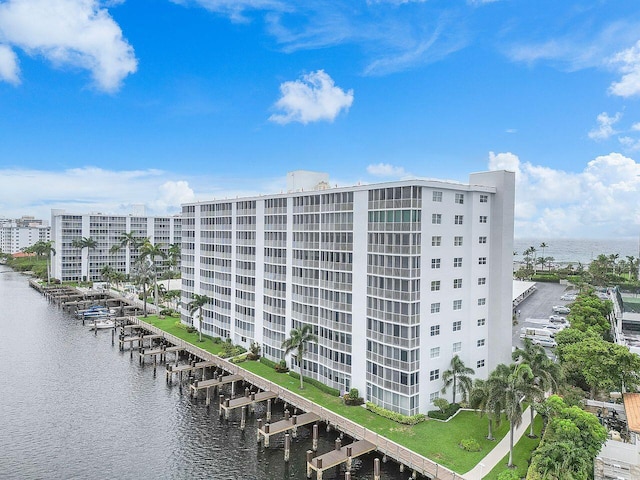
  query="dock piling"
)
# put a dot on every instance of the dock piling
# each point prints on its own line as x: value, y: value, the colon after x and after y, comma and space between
x: 243, y: 418
x: 349, y: 458
x: 269, y: 410
x: 376, y: 469
x: 309, y: 458
x: 287, y: 445
x: 314, y: 444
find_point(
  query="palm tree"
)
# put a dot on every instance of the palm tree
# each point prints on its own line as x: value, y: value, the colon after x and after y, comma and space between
x: 88, y: 243
x: 151, y: 251
x: 143, y: 275
x: 128, y: 241
x: 631, y: 260
x: 543, y: 246
x: 296, y: 341
x: 546, y: 373
x: 513, y: 382
x: 458, y: 376
x: 486, y: 397
x: 174, y: 255
x: 196, y: 304
x: 107, y: 274
x: 42, y: 248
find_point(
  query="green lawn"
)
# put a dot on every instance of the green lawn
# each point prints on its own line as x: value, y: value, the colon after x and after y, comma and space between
x: 521, y: 453
x: 432, y: 439
x: 172, y: 325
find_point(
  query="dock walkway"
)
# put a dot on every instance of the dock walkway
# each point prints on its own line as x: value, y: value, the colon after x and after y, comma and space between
x: 339, y: 455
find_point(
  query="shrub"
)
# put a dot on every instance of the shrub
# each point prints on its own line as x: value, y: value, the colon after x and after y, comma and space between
x: 508, y: 475
x: 545, y: 277
x: 169, y: 312
x: 267, y: 362
x: 450, y: 410
x: 216, y: 340
x: 469, y: 445
x: 353, y: 397
x: 191, y: 329
x: 281, y: 367
x: 254, y: 351
x: 442, y: 404
x: 395, y: 416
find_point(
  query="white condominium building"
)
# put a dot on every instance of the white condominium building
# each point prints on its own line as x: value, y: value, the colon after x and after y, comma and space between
x: 395, y: 278
x: 17, y: 234
x: 70, y: 262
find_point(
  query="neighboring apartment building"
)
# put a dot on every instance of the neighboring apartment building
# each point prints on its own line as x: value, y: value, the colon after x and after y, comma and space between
x: 396, y: 279
x: 70, y: 263
x: 17, y: 234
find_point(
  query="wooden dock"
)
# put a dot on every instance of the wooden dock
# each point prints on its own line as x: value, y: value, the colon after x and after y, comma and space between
x: 140, y: 339
x: 250, y: 400
x: 340, y: 455
x: 162, y: 352
x: 213, y: 382
x: 288, y: 423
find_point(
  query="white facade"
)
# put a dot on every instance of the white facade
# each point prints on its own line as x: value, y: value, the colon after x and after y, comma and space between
x: 70, y: 263
x: 21, y: 233
x: 395, y: 278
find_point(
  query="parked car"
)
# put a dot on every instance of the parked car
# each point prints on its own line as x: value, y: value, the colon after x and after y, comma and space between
x: 569, y: 297
x: 555, y: 327
x: 561, y: 309
x: 545, y: 342
x: 557, y: 319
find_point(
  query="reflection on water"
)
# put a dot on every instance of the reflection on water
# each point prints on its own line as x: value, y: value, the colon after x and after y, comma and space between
x: 73, y: 406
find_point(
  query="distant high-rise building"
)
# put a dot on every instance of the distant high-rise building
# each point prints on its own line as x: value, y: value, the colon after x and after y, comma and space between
x: 70, y: 263
x: 395, y: 279
x: 18, y: 234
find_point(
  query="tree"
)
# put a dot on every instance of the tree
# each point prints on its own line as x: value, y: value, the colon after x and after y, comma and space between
x: 88, y: 243
x: 297, y: 340
x: 143, y: 275
x: 152, y: 252
x: 458, y: 377
x: 174, y: 255
x: 543, y: 246
x: 486, y: 397
x: 545, y: 373
x: 42, y: 248
x: 107, y: 273
x: 196, y: 304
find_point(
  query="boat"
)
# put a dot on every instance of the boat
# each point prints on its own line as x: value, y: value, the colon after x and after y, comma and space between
x: 95, y: 312
x: 102, y: 324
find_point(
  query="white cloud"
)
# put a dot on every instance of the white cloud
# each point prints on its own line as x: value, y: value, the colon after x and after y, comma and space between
x: 70, y: 33
x: 635, y: 127
x: 600, y: 201
x: 628, y: 63
x: 511, y: 130
x: 235, y: 9
x: 315, y: 97
x: 605, y: 126
x: 172, y: 193
x: 9, y: 69
x: 630, y: 144
x: 386, y: 170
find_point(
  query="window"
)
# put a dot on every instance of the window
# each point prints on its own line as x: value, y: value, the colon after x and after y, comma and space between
x: 435, y: 330
x: 480, y: 343
x: 436, y: 218
x: 435, y: 241
x: 482, y: 280
x: 457, y: 283
x: 457, y: 325
x: 435, y: 352
x: 435, y: 285
x: 435, y: 263
x: 480, y: 364
x: 457, y: 347
x: 482, y: 239
x: 482, y: 261
x: 459, y: 198
x: 437, y: 196
x: 435, y: 308
x: 457, y: 220
x: 482, y: 301
x: 483, y: 219
x: 434, y: 374
x: 434, y: 396
x: 457, y: 262
x: 484, y: 198
x: 457, y: 304
x: 481, y: 322
x: 457, y: 241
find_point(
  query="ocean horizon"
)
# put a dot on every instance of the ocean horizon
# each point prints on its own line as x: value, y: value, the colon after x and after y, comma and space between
x: 575, y: 250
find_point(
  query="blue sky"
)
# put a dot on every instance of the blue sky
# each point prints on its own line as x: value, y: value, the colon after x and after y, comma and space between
x: 106, y: 104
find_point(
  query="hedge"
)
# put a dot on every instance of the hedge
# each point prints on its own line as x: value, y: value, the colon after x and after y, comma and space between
x: 319, y: 385
x: 545, y: 277
x: 449, y: 411
x: 267, y: 362
x: 395, y: 416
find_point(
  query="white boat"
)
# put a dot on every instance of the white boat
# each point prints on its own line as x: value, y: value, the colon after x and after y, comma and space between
x: 102, y: 324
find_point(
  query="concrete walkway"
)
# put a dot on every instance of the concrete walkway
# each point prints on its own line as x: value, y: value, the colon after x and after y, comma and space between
x: 499, y: 451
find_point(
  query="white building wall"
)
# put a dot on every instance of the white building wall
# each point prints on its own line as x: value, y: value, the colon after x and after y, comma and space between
x: 477, y: 328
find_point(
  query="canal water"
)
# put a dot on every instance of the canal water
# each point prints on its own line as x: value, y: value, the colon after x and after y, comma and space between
x: 72, y: 406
